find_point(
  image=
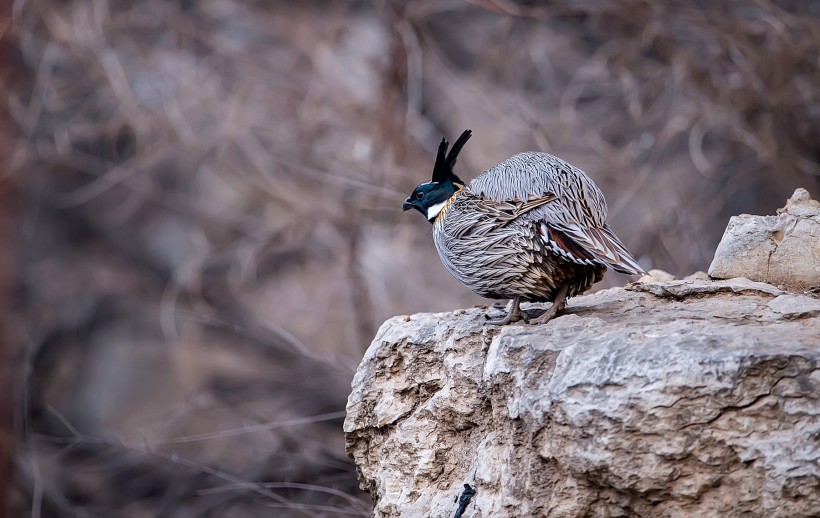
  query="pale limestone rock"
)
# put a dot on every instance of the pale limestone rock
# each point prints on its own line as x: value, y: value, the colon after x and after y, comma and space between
x: 782, y: 249
x: 656, y: 275
x: 681, y: 398
x: 697, y: 276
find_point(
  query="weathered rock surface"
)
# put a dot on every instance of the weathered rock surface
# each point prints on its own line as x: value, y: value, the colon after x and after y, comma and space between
x: 679, y: 398
x: 781, y: 250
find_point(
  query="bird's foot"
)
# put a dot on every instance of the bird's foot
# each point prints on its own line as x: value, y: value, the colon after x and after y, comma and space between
x: 513, y: 315
x: 547, y: 315
x: 557, y: 307
x: 509, y: 318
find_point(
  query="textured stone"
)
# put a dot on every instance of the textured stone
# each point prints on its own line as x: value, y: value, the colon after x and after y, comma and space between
x: 782, y: 249
x: 697, y: 276
x: 657, y: 275
x: 681, y: 398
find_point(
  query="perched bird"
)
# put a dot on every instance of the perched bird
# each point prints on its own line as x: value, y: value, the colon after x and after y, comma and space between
x: 533, y: 228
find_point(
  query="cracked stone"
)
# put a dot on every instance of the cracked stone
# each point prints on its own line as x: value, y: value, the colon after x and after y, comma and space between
x: 781, y: 250
x: 678, y: 398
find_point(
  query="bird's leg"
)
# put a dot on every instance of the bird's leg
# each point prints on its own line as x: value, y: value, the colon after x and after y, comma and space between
x: 557, y: 306
x: 514, y: 315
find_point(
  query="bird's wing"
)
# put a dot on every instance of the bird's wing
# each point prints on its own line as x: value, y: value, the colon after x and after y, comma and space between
x: 508, y: 211
x: 574, y: 226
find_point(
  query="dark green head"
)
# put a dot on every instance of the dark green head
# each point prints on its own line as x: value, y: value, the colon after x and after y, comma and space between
x: 429, y: 198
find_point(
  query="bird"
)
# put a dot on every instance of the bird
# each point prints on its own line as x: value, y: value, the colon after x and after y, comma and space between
x: 530, y: 229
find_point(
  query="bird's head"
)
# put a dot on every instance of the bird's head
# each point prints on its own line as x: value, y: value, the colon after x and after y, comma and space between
x: 429, y: 198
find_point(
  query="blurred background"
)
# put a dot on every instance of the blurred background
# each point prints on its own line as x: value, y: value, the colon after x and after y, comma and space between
x: 200, y: 214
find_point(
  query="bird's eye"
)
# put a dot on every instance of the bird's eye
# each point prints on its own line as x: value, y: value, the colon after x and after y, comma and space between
x: 419, y: 195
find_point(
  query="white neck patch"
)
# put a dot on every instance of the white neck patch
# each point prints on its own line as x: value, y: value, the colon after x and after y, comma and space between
x: 433, y: 210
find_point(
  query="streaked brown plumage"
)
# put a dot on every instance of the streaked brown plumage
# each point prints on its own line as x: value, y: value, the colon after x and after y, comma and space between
x: 533, y: 228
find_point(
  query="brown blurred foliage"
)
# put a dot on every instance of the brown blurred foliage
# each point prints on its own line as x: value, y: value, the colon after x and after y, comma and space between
x: 208, y: 226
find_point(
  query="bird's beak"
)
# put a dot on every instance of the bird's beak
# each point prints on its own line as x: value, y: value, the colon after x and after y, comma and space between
x: 406, y: 205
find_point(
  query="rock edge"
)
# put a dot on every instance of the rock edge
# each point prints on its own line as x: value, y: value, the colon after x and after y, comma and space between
x: 681, y: 398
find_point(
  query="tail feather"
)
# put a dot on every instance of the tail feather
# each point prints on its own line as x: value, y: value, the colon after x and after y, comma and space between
x: 604, y: 246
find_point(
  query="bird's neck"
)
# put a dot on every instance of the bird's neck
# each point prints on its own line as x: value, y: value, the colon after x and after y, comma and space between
x: 436, y: 211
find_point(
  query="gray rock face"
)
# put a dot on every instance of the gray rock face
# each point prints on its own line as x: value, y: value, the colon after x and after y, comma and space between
x: 781, y: 250
x: 679, y: 398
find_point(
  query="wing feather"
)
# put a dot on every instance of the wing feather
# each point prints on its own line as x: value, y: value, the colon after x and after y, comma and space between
x: 574, y: 226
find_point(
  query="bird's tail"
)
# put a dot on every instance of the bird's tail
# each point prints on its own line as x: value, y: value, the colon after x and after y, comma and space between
x: 605, y: 247
x: 613, y: 252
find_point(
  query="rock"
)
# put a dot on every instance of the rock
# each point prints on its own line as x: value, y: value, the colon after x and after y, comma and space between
x: 657, y: 275
x: 697, y: 276
x: 782, y: 249
x: 680, y: 289
x: 680, y: 398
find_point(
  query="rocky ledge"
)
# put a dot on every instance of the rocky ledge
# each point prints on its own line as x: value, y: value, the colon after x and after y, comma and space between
x: 678, y: 398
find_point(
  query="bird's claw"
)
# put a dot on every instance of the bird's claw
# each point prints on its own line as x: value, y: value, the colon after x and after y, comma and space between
x: 508, y: 318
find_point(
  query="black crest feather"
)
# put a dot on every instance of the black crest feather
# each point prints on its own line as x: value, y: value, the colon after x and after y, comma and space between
x: 443, y: 168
